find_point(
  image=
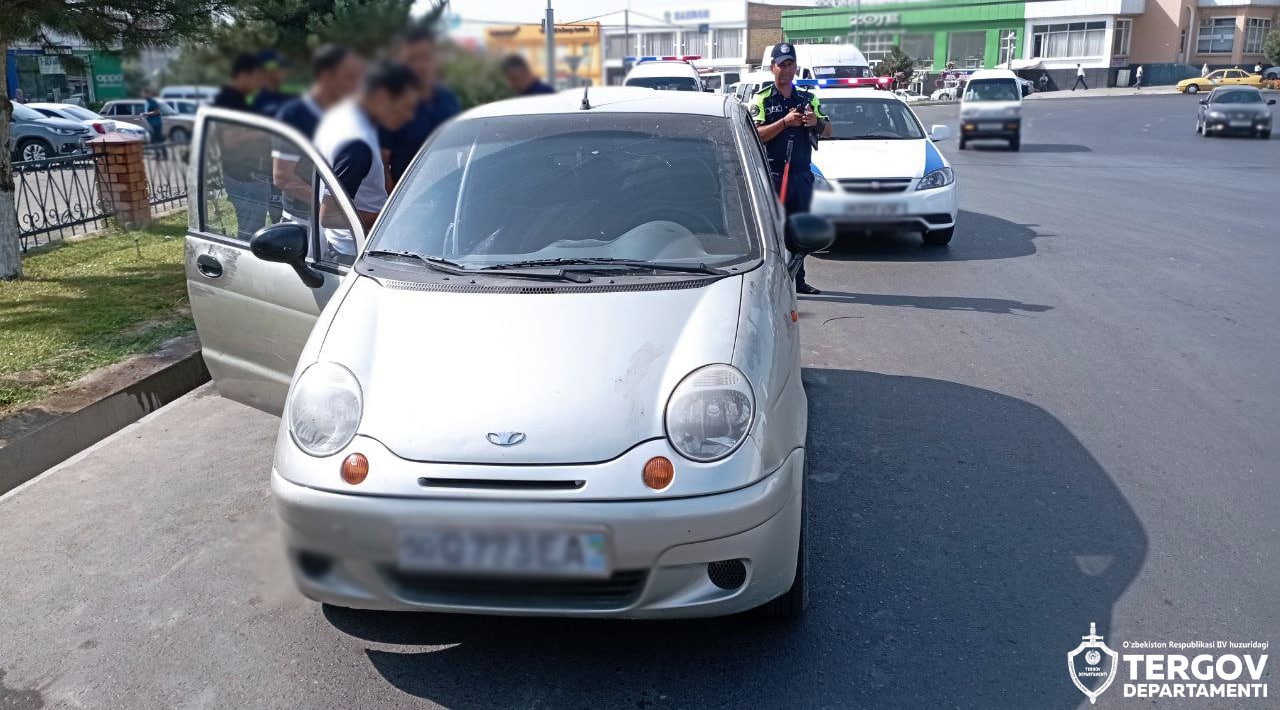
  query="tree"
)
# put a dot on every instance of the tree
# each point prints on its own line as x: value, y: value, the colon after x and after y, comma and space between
x: 126, y: 24
x: 475, y: 78
x: 1271, y: 48
x: 898, y: 65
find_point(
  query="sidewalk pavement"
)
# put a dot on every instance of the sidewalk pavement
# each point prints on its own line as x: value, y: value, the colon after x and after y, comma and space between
x: 1105, y: 91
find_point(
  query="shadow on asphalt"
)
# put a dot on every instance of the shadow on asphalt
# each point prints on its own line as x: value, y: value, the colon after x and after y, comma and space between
x: 1032, y: 148
x: 977, y: 237
x: 939, y: 303
x: 963, y: 542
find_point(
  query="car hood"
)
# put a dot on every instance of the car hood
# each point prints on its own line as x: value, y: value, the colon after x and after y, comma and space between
x: 1240, y: 109
x: 837, y: 159
x: 63, y: 123
x: 584, y: 376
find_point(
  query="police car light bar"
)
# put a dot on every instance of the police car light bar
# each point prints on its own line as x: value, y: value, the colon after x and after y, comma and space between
x: 682, y: 58
x: 882, y: 82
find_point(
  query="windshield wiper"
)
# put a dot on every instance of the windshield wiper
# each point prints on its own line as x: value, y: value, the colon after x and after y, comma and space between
x: 447, y: 266
x: 611, y: 262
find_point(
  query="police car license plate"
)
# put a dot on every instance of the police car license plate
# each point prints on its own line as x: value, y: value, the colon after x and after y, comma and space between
x: 874, y: 209
x: 559, y: 553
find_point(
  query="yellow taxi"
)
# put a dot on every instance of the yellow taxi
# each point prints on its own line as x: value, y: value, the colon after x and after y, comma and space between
x: 1221, y: 77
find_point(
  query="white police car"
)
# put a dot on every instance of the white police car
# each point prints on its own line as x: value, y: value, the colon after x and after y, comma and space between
x: 880, y: 170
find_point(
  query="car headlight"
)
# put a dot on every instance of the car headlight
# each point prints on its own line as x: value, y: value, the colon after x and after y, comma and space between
x: 938, y: 178
x: 820, y: 183
x: 63, y: 131
x: 325, y: 407
x: 710, y: 413
x: 1216, y: 114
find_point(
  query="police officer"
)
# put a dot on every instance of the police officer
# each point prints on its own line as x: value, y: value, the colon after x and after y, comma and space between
x: 786, y: 116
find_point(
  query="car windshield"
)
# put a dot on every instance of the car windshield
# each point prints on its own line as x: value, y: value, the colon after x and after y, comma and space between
x: 871, y: 119
x: 26, y: 113
x: 1238, y: 97
x: 648, y: 187
x: 664, y: 83
x: 843, y: 71
x: 992, y: 90
x: 80, y: 113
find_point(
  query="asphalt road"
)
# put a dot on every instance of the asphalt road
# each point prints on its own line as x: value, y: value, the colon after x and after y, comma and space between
x: 1067, y: 417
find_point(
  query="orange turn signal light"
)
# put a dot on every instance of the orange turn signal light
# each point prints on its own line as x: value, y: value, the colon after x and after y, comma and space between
x: 355, y: 468
x: 658, y: 473
x: 795, y: 317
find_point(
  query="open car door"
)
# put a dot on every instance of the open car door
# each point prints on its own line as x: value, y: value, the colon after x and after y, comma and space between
x: 257, y: 186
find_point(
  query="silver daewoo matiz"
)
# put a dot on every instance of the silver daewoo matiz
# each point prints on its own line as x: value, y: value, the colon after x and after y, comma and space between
x: 560, y: 377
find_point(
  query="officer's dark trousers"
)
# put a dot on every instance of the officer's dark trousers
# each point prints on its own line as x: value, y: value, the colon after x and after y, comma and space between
x: 796, y: 201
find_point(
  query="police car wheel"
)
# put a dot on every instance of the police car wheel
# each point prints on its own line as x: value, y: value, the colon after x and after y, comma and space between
x: 939, y: 237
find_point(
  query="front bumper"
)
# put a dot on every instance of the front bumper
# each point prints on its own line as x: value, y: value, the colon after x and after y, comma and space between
x: 1222, y: 126
x: 990, y: 128
x: 342, y: 550
x: 921, y: 211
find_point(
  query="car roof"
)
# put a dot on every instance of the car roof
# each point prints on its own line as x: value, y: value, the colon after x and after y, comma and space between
x: 51, y: 104
x: 663, y: 68
x: 857, y: 92
x: 612, y: 99
x: 992, y: 74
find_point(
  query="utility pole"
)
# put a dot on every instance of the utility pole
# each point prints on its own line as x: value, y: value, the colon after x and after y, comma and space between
x: 626, y: 31
x: 551, y: 44
x: 857, y: 25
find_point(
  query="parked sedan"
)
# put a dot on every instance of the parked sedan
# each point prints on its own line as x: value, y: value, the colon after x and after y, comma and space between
x: 177, y: 127
x: 1221, y: 77
x: 89, y: 119
x: 35, y: 136
x: 562, y: 377
x: 1234, y: 109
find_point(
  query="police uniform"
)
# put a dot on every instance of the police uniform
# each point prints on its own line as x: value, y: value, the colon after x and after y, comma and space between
x: 769, y: 106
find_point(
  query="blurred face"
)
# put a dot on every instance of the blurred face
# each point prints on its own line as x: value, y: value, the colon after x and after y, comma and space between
x: 784, y: 71
x: 420, y: 56
x: 392, y: 112
x: 519, y: 78
x: 343, y: 80
x: 274, y: 78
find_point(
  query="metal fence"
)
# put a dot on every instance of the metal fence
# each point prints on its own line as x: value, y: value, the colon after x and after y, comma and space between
x: 59, y: 197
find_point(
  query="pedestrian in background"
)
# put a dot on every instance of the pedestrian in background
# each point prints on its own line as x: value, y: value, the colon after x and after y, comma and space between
x: 275, y: 69
x: 348, y: 140
x: 1257, y: 68
x: 1138, y: 83
x: 1204, y: 70
x: 243, y: 150
x: 335, y: 76
x: 416, y: 48
x: 784, y: 116
x: 155, y: 121
x: 521, y: 79
x: 1079, y: 79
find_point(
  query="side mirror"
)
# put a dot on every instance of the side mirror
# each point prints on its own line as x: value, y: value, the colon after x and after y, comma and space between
x: 286, y: 243
x: 940, y: 132
x: 709, y: 90
x: 807, y: 233
x: 1204, y: 102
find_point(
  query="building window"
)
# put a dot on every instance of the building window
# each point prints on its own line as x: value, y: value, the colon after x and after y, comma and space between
x: 1217, y: 35
x: 919, y: 48
x: 1008, y: 47
x: 695, y: 43
x: 967, y: 49
x: 875, y: 47
x: 1120, y: 47
x: 615, y: 46
x: 1075, y: 39
x: 1255, y: 35
x: 727, y: 44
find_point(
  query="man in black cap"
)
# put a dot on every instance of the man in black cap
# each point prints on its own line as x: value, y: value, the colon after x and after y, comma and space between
x: 245, y: 173
x: 269, y: 98
x: 785, y: 118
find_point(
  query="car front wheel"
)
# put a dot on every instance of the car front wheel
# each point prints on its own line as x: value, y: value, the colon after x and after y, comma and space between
x: 1193, y: 89
x: 179, y: 135
x: 34, y: 149
x: 1265, y: 135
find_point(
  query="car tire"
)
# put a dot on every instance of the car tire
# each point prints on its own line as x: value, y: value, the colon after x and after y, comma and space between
x: 33, y: 149
x: 962, y: 144
x: 1199, y: 129
x: 1192, y: 89
x: 939, y: 237
x: 179, y: 135
x: 1265, y: 135
x: 1015, y: 143
x: 792, y: 603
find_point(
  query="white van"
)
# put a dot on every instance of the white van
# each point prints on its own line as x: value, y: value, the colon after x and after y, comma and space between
x: 825, y: 61
x: 991, y: 107
x: 665, y: 75
x: 203, y: 94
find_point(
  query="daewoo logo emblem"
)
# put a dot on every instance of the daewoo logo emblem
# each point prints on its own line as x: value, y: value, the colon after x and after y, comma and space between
x: 505, y: 438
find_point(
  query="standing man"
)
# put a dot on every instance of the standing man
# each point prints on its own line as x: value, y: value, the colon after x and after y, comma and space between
x: 416, y: 48
x: 275, y: 68
x: 336, y: 73
x: 1138, y: 83
x: 784, y: 117
x: 1079, y: 79
x: 1204, y: 70
x: 243, y: 149
x: 348, y: 140
x: 1257, y: 68
x: 521, y: 79
x: 155, y: 121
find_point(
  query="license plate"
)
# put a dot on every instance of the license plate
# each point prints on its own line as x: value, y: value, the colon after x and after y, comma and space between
x: 560, y: 553
x: 874, y: 209
x: 1241, y: 124
x: 990, y: 126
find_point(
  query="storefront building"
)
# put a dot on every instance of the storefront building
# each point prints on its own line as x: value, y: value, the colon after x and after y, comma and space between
x: 1219, y: 33
x: 578, y: 51
x: 64, y: 74
x: 714, y: 30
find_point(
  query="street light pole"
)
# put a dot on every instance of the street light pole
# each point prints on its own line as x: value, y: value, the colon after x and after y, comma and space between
x: 551, y: 44
x: 857, y: 25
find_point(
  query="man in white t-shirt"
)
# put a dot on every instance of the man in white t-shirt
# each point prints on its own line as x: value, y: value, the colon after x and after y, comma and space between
x: 1079, y: 78
x: 347, y: 138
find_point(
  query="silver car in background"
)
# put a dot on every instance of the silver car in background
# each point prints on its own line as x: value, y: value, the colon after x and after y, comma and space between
x: 562, y: 378
x: 35, y: 136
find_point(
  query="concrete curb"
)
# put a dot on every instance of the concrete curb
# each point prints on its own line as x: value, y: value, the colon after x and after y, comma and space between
x: 46, y: 433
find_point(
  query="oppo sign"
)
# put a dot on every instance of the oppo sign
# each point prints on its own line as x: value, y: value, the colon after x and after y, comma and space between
x: 883, y: 19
